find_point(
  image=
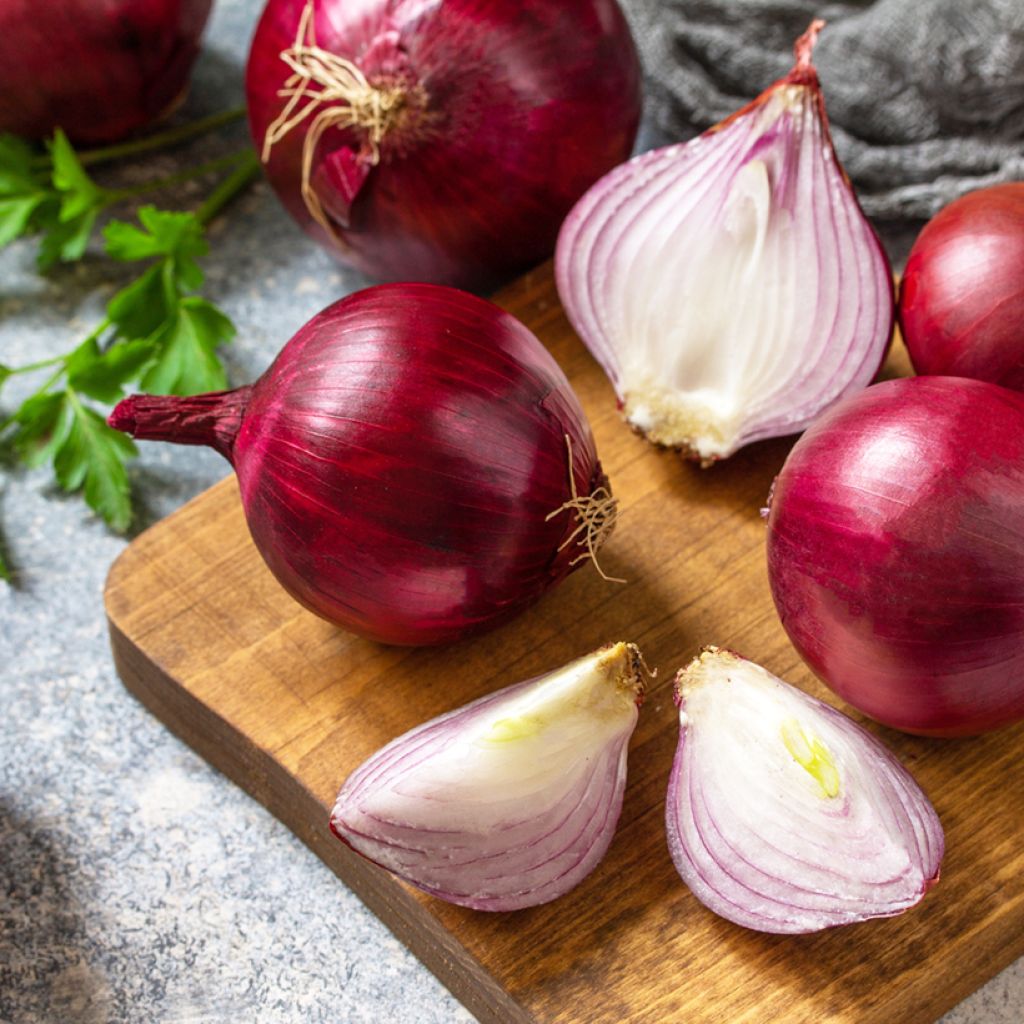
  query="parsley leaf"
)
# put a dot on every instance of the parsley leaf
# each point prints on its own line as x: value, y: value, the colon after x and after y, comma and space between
x: 67, y: 212
x: 175, y: 236
x: 56, y: 426
x: 43, y: 423
x: 103, y: 375
x: 94, y: 455
x: 184, y: 330
x: 23, y: 189
x: 187, y: 360
x: 15, y: 213
x: 138, y: 309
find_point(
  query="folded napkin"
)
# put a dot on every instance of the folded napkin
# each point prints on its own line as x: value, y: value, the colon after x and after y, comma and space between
x: 925, y: 97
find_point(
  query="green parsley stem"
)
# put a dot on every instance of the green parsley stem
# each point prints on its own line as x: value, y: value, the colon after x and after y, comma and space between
x: 32, y: 367
x: 246, y: 173
x: 161, y: 140
x: 210, y: 167
x: 58, y: 361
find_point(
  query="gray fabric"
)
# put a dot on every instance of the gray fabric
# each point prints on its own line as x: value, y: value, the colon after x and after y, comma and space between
x: 925, y: 97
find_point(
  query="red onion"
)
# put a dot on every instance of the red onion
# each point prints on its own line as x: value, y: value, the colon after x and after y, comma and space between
x: 440, y: 141
x: 896, y: 553
x: 784, y: 815
x: 510, y: 801
x: 962, y: 297
x: 414, y: 465
x: 99, y: 70
x: 730, y: 286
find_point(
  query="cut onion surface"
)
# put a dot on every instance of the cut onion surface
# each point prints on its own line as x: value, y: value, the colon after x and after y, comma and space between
x: 509, y: 801
x: 730, y: 286
x: 785, y: 816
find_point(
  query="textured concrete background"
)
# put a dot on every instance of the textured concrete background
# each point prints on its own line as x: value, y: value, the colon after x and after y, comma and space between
x: 137, y: 884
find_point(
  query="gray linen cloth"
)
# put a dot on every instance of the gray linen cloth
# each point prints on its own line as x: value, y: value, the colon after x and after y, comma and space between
x: 925, y: 97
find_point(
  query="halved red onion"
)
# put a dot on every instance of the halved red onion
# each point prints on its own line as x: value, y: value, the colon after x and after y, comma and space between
x: 731, y: 287
x: 509, y: 801
x: 785, y: 816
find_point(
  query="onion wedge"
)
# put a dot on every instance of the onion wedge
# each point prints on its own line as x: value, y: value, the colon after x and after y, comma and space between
x: 507, y: 802
x: 784, y: 815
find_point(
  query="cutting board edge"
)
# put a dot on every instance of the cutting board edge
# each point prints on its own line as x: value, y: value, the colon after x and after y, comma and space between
x: 250, y: 768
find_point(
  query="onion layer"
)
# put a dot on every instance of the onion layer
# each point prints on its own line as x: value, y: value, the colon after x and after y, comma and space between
x: 896, y: 553
x: 97, y: 70
x: 440, y: 141
x: 730, y: 287
x: 785, y: 816
x: 510, y: 801
x: 414, y: 465
x: 962, y: 295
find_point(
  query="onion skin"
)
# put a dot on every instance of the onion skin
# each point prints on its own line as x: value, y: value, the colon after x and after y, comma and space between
x: 402, y: 462
x: 510, y: 801
x: 896, y: 553
x: 785, y: 816
x: 528, y: 102
x: 98, y: 70
x: 961, y: 307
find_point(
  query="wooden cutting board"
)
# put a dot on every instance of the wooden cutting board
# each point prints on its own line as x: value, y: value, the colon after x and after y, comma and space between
x: 287, y: 705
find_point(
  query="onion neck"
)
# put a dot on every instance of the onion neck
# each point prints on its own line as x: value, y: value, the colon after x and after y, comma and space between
x: 212, y: 420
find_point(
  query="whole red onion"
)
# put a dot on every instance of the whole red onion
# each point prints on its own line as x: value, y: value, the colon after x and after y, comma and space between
x: 99, y: 69
x: 961, y: 305
x: 404, y: 463
x: 896, y: 553
x: 450, y: 138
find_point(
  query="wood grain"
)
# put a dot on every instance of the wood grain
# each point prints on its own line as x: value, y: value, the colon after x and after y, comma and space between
x: 287, y: 706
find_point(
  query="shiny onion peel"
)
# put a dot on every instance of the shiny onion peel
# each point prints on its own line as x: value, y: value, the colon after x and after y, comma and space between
x: 510, y: 801
x: 784, y: 815
x: 98, y: 70
x: 730, y: 286
x: 414, y: 466
x: 896, y: 553
x: 440, y: 142
x: 961, y: 307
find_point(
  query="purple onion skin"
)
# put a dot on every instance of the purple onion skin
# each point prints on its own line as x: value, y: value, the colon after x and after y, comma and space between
x: 398, y: 460
x: 97, y: 70
x: 961, y: 304
x: 896, y: 553
x: 529, y: 102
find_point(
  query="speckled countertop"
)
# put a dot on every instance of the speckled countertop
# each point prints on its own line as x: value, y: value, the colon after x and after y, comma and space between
x: 136, y: 883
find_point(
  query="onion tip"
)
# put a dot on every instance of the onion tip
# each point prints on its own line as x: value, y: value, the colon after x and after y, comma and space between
x: 122, y: 417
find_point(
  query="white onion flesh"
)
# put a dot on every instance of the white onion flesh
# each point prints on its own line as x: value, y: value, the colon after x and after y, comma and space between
x: 730, y: 286
x: 507, y: 802
x: 784, y: 815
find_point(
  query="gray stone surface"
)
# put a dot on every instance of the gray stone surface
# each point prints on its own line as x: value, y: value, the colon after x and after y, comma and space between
x: 137, y: 884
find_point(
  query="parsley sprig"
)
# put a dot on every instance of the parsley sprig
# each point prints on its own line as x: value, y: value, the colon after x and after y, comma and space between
x: 158, y: 333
